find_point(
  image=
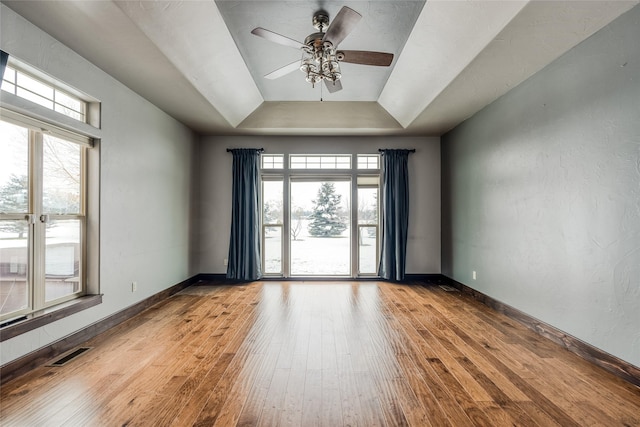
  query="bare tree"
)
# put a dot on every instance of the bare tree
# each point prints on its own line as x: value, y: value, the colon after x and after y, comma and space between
x: 296, y: 223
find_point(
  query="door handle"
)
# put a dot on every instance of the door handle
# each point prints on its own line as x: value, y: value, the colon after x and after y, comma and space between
x: 44, y: 218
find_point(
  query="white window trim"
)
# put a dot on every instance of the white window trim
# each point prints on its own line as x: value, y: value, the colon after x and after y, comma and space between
x: 46, y: 128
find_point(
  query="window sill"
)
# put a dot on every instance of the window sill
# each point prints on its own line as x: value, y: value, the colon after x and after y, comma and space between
x: 49, y: 315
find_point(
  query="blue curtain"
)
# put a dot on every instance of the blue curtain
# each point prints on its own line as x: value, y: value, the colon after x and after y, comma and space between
x: 244, y: 245
x: 395, y: 214
x: 4, y: 57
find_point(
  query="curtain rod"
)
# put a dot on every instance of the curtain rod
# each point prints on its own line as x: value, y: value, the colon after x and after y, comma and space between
x: 381, y: 150
x: 257, y: 149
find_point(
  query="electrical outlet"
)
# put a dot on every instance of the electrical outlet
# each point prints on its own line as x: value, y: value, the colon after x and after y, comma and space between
x: 473, y: 274
x: 225, y: 262
x: 134, y: 286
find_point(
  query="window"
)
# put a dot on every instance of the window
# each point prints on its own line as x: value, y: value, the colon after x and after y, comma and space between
x: 368, y: 161
x: 26, y: 85
x: 272, y: 161
x: 43, y: 215
x: 320, y: 162
x: 320, y: 215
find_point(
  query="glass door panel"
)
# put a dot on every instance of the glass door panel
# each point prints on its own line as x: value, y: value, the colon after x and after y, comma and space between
x: 367, y: 249
x: 272, y: 249
x: 320, y: 228
x: 272, y: 225
x: 368, y: 226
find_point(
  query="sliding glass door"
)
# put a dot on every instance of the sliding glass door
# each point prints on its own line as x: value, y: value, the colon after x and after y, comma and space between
x: 320, y: 227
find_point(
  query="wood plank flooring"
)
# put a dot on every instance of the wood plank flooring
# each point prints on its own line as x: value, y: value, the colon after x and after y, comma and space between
x: 320, y: 354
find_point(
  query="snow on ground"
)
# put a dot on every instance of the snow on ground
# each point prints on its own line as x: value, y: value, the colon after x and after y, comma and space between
x: 311, y: 256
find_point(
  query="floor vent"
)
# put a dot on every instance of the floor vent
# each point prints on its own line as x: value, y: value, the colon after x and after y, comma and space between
x: 69, y: 357
x: 448, y: 288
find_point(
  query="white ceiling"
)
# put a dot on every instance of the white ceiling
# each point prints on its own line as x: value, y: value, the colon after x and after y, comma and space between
x: 197, y: 60
x: 294, y: 20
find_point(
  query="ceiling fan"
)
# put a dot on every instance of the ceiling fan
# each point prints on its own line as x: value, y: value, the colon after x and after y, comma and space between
x: 320, y: 54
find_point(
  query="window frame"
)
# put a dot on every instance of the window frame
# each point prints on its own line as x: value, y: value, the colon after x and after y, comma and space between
x: 274, y: 159
x: 29, y: 114
x: 88, y: 245
x: 325, y: 162
x: 19, y: 71
x: 288, y: 174
x: 368, y: 158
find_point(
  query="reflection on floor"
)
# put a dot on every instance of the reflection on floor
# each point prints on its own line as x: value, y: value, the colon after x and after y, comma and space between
x: 321, y: 353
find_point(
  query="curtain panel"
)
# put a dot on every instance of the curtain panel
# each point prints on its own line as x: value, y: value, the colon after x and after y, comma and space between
x: 395, y: 214
x: 4, y: 57
x: 244, y: 244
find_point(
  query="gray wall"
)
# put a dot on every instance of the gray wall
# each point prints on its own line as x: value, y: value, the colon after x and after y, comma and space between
x: 213, y: 213
x: 541, y: 193
x: 146, y: 159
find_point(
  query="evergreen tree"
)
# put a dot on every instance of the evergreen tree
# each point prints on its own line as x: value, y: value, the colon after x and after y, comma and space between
x: 325, y: 218
x: 13, y: 199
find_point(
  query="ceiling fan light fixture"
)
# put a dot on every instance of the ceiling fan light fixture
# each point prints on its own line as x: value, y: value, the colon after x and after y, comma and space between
x: 308, y: 65
x: 313, y: 79
x: 320, y: 57
x: 331, y: 70
x: 319, y: 62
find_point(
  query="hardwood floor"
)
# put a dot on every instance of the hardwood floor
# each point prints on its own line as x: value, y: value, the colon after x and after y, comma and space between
x: 320, y: 353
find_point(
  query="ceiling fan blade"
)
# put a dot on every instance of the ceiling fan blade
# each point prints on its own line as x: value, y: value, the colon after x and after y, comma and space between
x: 283, y: 70
x: 344, y: 22
x: 333, y: 86
x: 276, y: 38
x: 366, y: 57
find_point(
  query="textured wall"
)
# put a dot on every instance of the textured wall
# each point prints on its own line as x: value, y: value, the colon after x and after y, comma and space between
x: 211, y: 238
x: 541, y: 193
x: 145, y: 185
